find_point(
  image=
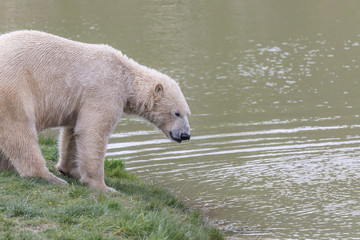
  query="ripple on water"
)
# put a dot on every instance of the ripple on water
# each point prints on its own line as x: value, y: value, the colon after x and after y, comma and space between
x: 278, y: 175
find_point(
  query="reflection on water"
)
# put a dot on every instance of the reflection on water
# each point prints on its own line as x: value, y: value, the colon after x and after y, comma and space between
x: 274, y: 91
x: 296, y: 175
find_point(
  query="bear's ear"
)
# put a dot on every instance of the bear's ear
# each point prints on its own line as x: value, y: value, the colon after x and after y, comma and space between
x: 159, y: 90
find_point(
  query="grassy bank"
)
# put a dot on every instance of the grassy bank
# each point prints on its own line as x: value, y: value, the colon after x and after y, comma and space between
x: 34, y: 209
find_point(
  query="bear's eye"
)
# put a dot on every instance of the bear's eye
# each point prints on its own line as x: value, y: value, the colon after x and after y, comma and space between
x: 177, y: 114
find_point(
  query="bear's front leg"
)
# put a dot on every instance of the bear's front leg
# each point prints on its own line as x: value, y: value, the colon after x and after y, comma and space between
x: 92, y: 134
x: 67, y: 160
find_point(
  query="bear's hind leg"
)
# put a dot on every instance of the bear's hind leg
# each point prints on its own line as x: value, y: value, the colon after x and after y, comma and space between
x: 5, y: 163
x: 67, y: 160
x: 20, y: 144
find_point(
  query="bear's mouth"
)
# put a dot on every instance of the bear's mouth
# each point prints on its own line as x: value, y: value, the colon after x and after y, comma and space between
x: 174, y: 138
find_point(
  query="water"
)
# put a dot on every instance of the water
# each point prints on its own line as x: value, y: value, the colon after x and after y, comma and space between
x: 274, y: 91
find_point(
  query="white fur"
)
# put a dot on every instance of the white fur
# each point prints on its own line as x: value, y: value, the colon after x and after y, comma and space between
x: 48, y: 81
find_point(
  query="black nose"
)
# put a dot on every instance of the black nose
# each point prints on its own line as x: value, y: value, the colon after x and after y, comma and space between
x: 185, y: 136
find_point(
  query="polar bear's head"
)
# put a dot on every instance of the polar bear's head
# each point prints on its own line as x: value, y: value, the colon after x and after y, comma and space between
x: 158, y: 99
x: 170, y: 111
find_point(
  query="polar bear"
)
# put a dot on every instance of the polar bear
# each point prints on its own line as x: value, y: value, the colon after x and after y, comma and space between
x: 48, y: 81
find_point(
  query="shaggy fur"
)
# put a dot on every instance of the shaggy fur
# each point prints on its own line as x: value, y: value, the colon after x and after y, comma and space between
x: 48, y: 81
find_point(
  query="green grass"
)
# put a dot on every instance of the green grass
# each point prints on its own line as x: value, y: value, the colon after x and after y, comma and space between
x: 35, y: 209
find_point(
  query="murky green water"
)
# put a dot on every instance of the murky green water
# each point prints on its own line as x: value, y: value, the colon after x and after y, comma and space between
x: 274, y: 91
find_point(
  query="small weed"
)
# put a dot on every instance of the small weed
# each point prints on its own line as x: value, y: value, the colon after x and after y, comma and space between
x: 113, y: 205
x: 116, y: 168
x: 22, y: 210
x: 82, y: 208
x: 75, y: 192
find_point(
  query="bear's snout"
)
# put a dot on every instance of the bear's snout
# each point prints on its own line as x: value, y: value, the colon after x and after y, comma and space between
x: 185, y: 136
x: 179, y: 137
